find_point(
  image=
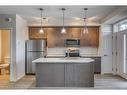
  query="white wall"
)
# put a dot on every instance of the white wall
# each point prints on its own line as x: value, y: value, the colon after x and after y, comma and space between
x: 114, y: 44
x: 100, y: 42
x: 19, y: 33
x: 21, y: 36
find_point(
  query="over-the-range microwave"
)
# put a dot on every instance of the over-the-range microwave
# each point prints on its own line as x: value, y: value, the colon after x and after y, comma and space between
x: 72, y: 42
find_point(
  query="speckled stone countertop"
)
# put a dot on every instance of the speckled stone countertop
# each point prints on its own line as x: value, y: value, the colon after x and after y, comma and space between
x: 64, y: 60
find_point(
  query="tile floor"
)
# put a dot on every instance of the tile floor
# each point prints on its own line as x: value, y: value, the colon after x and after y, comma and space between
x: 28, y: 82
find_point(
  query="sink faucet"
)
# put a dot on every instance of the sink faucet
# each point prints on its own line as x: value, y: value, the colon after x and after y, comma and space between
x: 67, y: 53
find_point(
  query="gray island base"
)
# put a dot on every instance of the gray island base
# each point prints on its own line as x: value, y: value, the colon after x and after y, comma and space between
x: 64, y: 72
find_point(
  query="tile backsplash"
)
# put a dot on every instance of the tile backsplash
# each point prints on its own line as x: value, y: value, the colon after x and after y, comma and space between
x: 56, y: 51
x: 88, y: 51
x: 61, y: 51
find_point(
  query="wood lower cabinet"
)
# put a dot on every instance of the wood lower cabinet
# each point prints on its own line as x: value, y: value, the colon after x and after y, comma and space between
x: 97, y: 64
x: 64, y: 74
x: 50, y: 75
x: 79, y: 75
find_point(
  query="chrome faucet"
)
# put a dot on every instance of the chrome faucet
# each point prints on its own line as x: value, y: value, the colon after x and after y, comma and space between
x: 67, y: 53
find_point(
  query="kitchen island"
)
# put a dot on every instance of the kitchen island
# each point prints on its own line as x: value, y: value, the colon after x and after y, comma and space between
x: 64, y: 72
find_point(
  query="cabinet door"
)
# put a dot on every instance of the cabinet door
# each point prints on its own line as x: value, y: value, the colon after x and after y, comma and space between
x: 35, y: 35
x: 79, y: 75
x: 69, y: 75
x: 97, y: 65
x: 55, y: 38
x: 94, y: 36
x: 73, y: 33
x: 90, y: 39
x: 50, y: 75
x: 84, y: 75
x: 85, y: 39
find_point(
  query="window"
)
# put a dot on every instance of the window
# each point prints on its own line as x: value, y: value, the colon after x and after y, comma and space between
x: 124, y: 53
x: 120, y: 26
x: 123, y: 26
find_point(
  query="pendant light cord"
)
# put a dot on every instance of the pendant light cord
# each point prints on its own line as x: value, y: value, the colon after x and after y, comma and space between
x: 63, y: 17
x: 41, y: 16
x: 63, y: 31
x: 85, y: 17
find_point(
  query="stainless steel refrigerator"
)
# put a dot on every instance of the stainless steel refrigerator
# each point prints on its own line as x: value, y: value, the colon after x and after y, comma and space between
x: 34, y: 49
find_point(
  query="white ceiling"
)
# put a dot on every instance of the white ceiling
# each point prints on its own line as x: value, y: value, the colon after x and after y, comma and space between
x: 73, y: 14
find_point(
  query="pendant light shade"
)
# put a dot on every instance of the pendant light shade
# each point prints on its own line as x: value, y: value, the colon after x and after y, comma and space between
x: 85, y: 30
x: 41, y: 29
x: 63, y: 30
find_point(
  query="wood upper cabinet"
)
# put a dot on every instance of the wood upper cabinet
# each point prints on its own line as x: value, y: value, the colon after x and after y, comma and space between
x: 73, y: 33
x: 35, y: 35
x: 92, y: 38
x: 55, y: 38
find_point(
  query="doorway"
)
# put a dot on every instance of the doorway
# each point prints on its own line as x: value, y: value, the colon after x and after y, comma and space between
x: 5, y: 54
x: 122, y: 53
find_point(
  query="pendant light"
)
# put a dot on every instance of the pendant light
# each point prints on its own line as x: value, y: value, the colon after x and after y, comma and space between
x: 85, y: 30
x: 41, y: 29
x: 63, y: 31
